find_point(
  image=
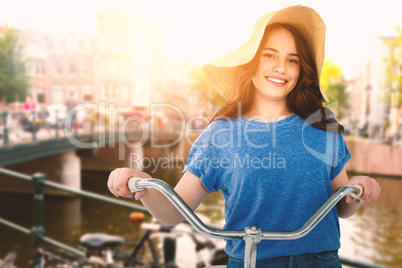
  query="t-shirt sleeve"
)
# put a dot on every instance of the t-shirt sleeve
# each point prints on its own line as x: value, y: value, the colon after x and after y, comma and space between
x: 199, y: 161
x: 341, y: 155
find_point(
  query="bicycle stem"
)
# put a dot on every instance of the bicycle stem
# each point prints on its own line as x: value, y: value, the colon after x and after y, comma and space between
x: 252, y: 235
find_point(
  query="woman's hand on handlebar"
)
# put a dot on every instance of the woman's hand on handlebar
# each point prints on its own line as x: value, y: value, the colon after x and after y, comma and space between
x: 371, y: 189
x: 117, y: 182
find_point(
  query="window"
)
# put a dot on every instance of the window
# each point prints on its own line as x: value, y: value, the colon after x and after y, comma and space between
x: 40, y: 94
x: 113, y: 68
x: 57, y: 67
x: 109, y: 67
x: 109, y: 91
x: 71, y: 43
x: 125, y: 93
x: 72, y: 67
x: 87, y: 92
x: 72, y: 89
x: 124, y: 69
x: 57, y: 95
x: 39, y: 67
x: 108, y: 43
x: 87, y: 67
x: 103, y: 67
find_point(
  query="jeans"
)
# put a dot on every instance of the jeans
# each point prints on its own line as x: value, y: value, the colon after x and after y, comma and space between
x: 327, y: 259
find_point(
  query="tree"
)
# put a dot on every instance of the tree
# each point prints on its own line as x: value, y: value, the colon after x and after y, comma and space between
x: 333, y: 83
x: 393, y: 82
x: 14, y: 81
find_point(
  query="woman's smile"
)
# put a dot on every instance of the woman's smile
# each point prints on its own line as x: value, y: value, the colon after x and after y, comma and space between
x: 278, y: 82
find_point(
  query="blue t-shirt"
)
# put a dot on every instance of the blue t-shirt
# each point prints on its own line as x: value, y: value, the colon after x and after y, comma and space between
x: 273, y: 175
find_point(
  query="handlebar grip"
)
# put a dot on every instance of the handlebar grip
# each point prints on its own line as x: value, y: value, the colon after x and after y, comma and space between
x: 132, y: 184
x: 359, y: 193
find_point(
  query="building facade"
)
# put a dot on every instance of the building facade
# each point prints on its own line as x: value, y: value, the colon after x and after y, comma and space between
x: 122, y: 64
x: 369, y: 113
x: 71, y: 68
x: 113, y: 54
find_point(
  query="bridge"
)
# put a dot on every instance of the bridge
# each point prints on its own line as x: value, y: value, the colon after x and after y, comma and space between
x: 61, y: 156
x: 83, y: 142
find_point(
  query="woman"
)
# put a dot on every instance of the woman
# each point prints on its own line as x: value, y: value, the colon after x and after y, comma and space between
x: 274, y: 151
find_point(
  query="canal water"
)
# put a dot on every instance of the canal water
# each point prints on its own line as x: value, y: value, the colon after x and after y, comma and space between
x: 373, y: 235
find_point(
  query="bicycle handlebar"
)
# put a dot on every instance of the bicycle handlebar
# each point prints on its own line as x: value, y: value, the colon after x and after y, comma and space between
x: 252, y: 235
x: 138, y: 184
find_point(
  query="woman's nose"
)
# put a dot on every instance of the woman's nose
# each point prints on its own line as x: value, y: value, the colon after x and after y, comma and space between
x: 280, y: 67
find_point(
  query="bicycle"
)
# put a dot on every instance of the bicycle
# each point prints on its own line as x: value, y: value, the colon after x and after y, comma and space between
x: 252, y: 235
x: 104, y: 250
x: 108, y: 247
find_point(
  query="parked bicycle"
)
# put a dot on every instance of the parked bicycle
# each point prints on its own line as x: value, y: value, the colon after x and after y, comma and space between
x: 252, y: 235
x: 109, y: 249
x: 105, y: 250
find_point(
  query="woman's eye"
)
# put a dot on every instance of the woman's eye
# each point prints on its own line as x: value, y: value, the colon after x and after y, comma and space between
x: 269, y: 56
x: 293, y: 61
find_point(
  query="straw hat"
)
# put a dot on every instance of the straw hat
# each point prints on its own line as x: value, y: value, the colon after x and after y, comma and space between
x: 222, y: 72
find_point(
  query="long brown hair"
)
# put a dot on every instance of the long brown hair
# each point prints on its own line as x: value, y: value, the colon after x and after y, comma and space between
x: 305, y: 99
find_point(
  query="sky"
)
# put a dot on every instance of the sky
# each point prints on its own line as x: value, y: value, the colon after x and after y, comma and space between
x: 200, y: 31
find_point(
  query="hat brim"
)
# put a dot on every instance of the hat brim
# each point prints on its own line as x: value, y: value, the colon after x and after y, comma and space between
x: 222, y: 72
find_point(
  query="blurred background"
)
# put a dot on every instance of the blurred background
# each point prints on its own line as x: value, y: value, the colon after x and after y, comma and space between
x: 129, y: 55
